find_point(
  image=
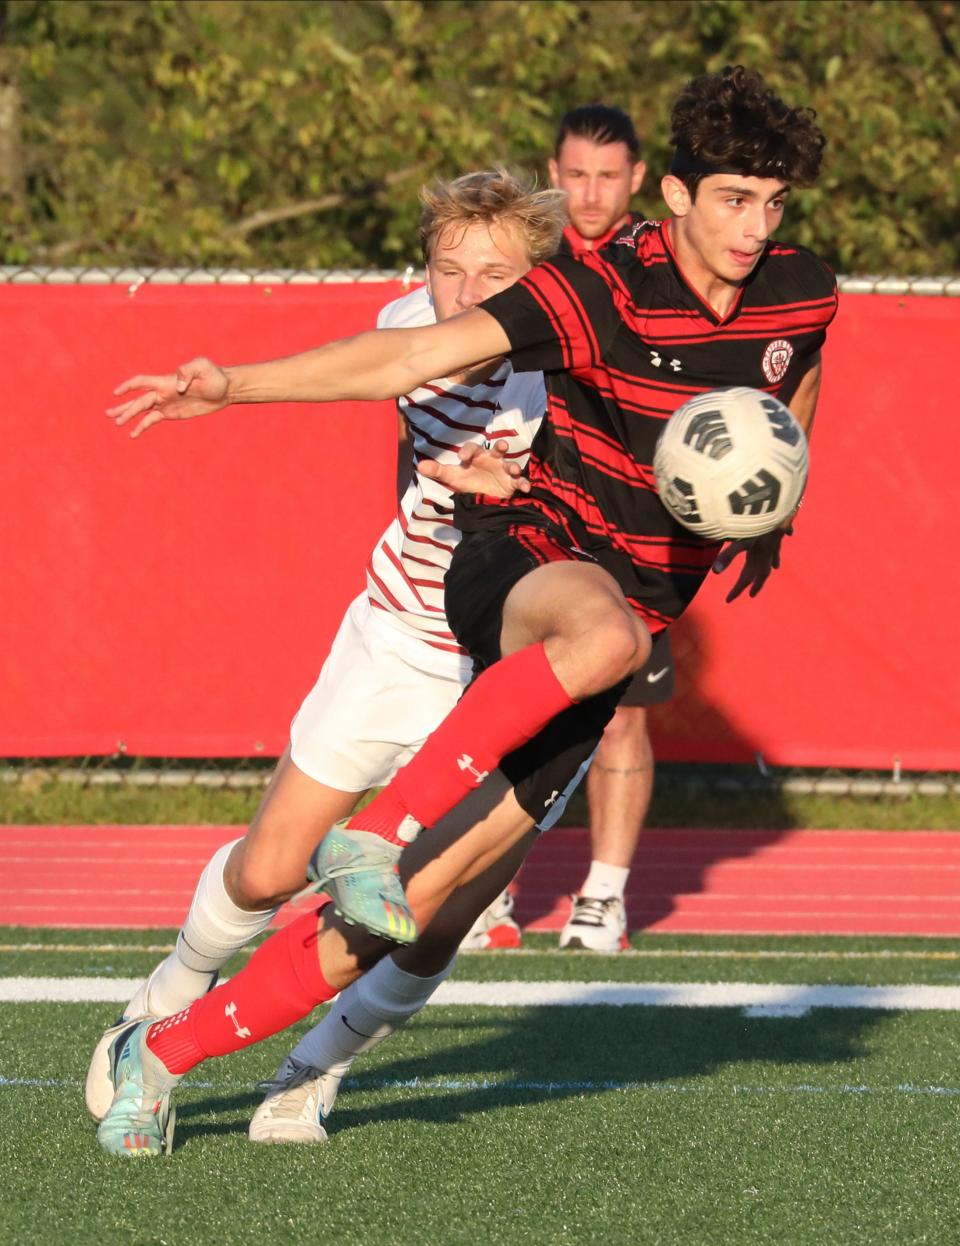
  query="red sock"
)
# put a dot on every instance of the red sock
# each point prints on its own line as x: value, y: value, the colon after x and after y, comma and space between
x: 281, y: 984
x: 502, y: 709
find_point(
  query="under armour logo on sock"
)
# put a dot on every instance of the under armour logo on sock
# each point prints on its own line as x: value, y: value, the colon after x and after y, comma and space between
x: 231, y: 1012
x: 465, y: 762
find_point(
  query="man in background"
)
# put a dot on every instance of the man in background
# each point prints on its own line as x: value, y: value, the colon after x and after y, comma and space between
x: 597, y: 162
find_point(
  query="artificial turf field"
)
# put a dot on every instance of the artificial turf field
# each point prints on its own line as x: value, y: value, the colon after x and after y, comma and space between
x: 487, y: 1124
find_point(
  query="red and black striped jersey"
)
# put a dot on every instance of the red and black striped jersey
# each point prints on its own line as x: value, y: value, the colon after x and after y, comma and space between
x: 624, y: 340
x: 572, y: 243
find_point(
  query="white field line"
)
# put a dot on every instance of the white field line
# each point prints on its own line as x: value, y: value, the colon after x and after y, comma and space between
x: 763, y: 999
x: 156, y: 949
x: 474, y: 1084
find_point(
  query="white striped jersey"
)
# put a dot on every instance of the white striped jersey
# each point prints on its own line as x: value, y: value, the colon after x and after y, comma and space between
x: 405, y: 572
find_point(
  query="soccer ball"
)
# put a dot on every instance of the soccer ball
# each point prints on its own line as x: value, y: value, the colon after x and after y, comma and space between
x: 731, y: 463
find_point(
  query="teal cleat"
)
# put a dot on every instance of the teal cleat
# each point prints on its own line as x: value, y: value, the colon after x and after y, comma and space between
x: 358, y: 871
x: 141, y: 1118
x: 99, y: 1088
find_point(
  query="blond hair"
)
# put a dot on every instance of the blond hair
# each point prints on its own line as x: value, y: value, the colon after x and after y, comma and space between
x: 494, y: 197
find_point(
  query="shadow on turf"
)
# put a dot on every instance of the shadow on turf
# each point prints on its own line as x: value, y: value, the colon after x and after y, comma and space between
x: 578, y: 1050
x: 663, y: 869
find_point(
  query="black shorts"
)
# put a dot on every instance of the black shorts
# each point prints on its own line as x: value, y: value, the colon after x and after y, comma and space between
x: 653, y: 684
x: 546, y: 769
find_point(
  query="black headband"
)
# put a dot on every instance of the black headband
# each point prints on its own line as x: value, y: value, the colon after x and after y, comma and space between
x: 685, y: 162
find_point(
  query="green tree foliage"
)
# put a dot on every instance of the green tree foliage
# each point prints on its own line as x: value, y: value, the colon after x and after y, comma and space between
x: 297, y: 134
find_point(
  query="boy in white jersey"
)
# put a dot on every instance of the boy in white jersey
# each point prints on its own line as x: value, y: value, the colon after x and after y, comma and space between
x: 394, y: 670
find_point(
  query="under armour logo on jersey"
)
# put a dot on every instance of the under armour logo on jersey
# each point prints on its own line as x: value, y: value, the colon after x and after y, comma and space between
x: 657, y: 360
x: 676, y: 365
x: 231, y: 1012
x: 466, y: 763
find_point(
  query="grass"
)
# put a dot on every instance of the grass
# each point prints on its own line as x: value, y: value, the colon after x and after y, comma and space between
x: 40, y: 799
x: 509, y: 1125
x: 490, y: 1126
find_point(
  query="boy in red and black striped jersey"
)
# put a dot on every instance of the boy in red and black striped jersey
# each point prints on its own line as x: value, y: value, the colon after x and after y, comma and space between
x: 563, y: 586
x: 557, y: 590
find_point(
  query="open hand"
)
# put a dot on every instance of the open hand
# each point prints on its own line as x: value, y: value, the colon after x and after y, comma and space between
x: 483, y: 468
x: 762, y: 555
x: 196, y: 388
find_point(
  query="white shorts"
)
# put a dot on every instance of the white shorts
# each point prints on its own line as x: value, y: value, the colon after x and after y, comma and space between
x: 371, y: 708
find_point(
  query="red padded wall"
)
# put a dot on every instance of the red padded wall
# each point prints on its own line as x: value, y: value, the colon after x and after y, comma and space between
x: 176, y: 595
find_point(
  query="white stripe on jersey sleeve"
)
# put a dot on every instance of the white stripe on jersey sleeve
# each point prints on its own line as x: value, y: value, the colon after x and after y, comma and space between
x: 410, y: 311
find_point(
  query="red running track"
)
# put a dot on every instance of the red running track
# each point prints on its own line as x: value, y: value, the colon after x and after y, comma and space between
x: 689, y: 881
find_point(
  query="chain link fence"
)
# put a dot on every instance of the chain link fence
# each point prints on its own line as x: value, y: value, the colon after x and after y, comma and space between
x: 133, y: 278
x: 253, y: 773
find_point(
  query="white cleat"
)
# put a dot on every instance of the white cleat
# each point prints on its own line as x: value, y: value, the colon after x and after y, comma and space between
x: 298, y: 1102
x: 98, y: 1089
x: 596, y: 925
x: 494, y: 928
x: 139, y: 1122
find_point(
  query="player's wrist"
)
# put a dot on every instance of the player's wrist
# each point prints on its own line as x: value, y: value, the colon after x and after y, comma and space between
x: 241, y: 386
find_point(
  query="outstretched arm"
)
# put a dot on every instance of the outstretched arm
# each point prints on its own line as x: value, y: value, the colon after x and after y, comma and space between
x: 383, y: 363
x: 762, y: 553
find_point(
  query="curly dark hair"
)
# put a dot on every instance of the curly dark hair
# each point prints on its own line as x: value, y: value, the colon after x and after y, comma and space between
x: 733, y: 119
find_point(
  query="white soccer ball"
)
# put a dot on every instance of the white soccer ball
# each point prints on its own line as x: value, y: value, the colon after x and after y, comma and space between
x: 731, y: 463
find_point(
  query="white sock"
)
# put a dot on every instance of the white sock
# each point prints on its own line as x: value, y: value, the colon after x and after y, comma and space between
x: 215, y: 928
x: 363, y: 1015
x: 604, y: 881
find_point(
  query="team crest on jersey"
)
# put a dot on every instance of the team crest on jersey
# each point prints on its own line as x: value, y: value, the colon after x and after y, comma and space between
x: 776, y: 360
x: 630, y: 239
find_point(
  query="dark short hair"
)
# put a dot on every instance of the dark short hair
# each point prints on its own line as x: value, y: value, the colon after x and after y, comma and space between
x: 732, y: 119
x: 600, y: 124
